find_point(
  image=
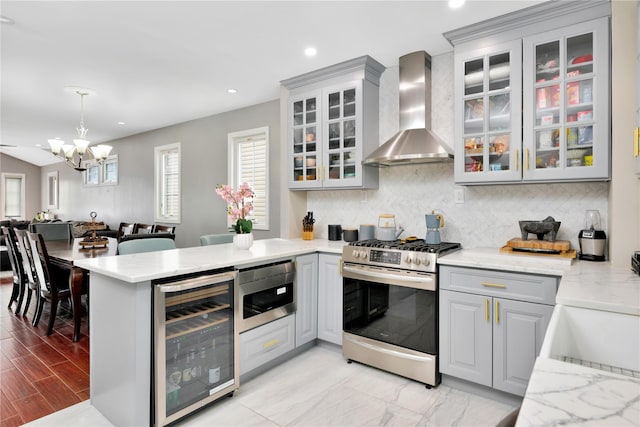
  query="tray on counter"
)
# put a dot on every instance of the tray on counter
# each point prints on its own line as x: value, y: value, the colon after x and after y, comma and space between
x: 558, y: 248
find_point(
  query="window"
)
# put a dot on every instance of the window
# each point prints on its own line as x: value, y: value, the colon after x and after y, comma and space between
x: 167, y: 183
x: 92, y: 174
x: 110, y: 170
x: 13, y: 196
x: 249, y: 162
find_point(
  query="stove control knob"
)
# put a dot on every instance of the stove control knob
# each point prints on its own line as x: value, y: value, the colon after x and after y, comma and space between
x: 416, y: 261
x: 408, y: 259
x: 363, y: 254
x: 426, y: 262
x: 356, y: 254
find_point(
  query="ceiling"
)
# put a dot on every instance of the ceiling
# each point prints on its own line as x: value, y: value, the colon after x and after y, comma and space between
x: 157, y: 63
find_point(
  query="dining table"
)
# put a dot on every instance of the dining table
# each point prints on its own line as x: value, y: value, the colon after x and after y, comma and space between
x: 63, y: 254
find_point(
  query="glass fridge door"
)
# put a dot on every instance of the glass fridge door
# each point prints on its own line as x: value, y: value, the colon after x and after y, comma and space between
x: 195, y: 347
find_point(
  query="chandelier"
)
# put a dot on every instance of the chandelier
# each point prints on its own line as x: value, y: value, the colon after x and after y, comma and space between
x: 73, y: 155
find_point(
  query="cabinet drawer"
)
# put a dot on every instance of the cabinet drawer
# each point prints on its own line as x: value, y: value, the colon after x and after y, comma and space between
x: 516, y: 286
x: 260, y: 345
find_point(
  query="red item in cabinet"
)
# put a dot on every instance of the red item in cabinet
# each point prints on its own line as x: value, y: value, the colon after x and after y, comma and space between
x: 573, y: 93
x: 555, y: 95
x: 585, y: 115
x: 581, y: 59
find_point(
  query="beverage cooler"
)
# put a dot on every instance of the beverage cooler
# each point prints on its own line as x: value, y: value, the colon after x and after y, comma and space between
x: 195, y: 351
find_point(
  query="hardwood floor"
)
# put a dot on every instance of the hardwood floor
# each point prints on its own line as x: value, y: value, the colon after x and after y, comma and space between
x: 39, y: 375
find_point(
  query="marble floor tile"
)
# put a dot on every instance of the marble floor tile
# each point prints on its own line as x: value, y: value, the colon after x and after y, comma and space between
x: 319, y: 388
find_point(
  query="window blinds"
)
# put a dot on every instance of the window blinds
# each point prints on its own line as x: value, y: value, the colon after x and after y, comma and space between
x: 252, y: 168
x: 171, y: 183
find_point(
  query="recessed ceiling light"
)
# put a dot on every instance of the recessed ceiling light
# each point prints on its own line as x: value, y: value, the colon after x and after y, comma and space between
x: 6, y: 20
x: 454, y: 4
x: 310, y: 51
x: 38, y: 145
x: 121, y: 123
x: 231, y: 90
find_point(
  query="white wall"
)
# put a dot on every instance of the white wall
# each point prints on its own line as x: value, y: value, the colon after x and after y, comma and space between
x: 490, y: 214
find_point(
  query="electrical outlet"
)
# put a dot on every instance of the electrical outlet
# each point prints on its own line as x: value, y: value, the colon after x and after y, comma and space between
x: 458, y: 195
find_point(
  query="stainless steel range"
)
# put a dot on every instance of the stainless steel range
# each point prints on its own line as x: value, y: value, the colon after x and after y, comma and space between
x: 390, y: 306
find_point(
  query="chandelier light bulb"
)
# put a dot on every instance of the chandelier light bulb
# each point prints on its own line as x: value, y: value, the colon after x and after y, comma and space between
x: 81, y: 145
x: 56, y: 145
x: 68, y: 150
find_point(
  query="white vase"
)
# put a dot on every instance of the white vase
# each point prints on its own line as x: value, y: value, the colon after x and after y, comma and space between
x: 243, y: 241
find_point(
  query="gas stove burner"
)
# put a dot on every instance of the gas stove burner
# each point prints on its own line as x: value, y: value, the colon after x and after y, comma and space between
x: 418, y: 245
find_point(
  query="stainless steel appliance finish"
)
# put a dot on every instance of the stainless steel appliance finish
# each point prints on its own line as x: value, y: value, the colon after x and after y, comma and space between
x: 266, y: 293
x: 195, y: 350
x: 415, y: 143
x: 390, y: 306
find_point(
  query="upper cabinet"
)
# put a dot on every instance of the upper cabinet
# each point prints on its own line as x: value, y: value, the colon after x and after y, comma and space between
x: 534, y: 107
x: 332, y: 124
x: 488, y: 119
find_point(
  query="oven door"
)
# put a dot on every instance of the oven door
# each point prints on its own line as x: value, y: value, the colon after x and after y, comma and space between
x: 398, y: 307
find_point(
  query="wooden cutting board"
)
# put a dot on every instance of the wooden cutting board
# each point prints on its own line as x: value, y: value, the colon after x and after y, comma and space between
x: 558, y: 249
x: 558, y: 245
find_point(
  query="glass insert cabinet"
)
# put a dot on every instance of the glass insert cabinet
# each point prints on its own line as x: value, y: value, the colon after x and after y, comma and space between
x: 332, y: 124
x: 535, y: 109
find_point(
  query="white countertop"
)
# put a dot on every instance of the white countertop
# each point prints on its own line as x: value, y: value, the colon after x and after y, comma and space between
x: 141, y: 267
x: 561, y: 393
x: 596, y: 285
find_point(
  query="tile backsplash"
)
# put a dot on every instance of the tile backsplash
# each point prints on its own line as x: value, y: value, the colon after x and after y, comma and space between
x: 489, y: 215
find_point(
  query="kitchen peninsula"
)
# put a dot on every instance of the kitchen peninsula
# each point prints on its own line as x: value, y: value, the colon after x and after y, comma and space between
x: 121, y: 335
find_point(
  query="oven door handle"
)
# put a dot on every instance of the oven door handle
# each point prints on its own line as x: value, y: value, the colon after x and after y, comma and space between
x: 425, y: 282
x: 197, y: 282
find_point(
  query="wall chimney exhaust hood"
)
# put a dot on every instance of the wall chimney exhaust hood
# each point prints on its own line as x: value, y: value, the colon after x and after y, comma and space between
x: 415, y: 143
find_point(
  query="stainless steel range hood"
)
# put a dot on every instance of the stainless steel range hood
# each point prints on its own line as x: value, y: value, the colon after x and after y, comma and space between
x: 415, y: 143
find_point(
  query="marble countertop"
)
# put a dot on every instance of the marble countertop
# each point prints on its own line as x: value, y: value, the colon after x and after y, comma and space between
x: 595, y: 285
x: 141, y: 267
x: 561, y: 393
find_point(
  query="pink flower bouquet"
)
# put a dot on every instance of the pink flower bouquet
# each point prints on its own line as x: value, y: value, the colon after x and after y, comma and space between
x: 239, y: 208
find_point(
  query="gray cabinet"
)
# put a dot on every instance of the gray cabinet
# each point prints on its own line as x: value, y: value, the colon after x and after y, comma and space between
x: 263, y: 344
x: 306, y: 298
x: 330, y: 298
x: 492, y: 324
x: 532, y: 96
x: 332, y: 124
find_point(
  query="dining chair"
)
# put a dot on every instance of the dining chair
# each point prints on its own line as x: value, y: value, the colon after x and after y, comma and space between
x: 27, y: 262
x: 53, y: 230
x: 142, y: 228
x: 125, y: 228
x: 216, y: 239
x: 157, y: 228
x: 54, y: 283
x: 19, y: 277
x: 136, y: 246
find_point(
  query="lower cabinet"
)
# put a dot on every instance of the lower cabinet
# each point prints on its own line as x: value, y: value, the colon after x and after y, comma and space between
x: 486, y: 336
x: 330, y: 298
x: 263, y: 344
x: 306, y: 298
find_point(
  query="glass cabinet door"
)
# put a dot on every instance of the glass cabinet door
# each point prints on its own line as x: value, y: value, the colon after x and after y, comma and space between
x: 562, y: 138
x: 305, y: 140
x: 341, y: 127
x: 490, y: 115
